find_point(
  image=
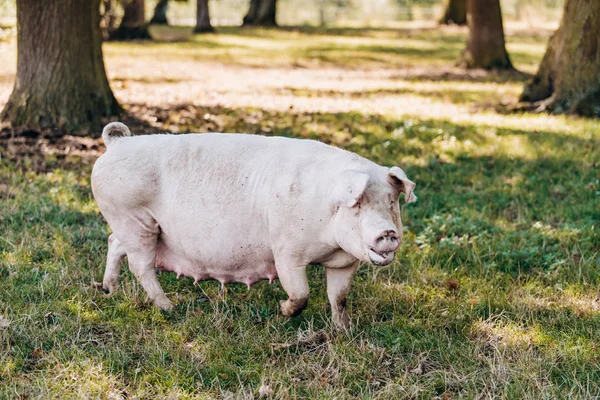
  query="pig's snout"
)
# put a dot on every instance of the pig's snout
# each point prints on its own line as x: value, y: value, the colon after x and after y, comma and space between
x: 387, y: 241
x: 383, y: 247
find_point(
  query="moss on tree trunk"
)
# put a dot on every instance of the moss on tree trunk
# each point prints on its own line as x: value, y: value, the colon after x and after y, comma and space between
x: 568, y: 80
x: 133, y: 25
x: 261, y: 13
x: 456, y: 13
x: 61, y: 82
x: 203, y: 18
x: 485, y: 47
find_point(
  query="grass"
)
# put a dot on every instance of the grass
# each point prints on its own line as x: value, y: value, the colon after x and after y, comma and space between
x: 494, y: 294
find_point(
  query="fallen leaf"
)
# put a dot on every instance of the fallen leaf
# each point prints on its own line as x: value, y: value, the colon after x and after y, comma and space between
x: 451, y: 284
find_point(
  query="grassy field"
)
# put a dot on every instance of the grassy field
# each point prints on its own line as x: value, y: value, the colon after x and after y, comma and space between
x: 494, y: 294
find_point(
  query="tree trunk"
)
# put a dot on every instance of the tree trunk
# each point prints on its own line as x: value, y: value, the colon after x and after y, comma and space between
x: 133, y: 25
x: 568, y: 80
x: 250, y: 17
x: 261, y: 13
x: 267, y: 13
x: 61, y: 82
x: 160, y: 13
x: 456, y: 13
x: 203, y: 18
x: 485, y: 46
x: 108, y: 18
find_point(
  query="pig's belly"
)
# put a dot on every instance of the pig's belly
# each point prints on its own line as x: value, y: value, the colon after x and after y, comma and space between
x: 246, y: 263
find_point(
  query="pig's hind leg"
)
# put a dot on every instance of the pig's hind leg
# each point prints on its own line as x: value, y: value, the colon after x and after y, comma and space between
x: 115, y: 254
x: 142, y: 259
x: 138, y: 234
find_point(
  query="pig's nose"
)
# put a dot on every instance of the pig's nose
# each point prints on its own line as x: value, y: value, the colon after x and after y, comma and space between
x: 389, y: 240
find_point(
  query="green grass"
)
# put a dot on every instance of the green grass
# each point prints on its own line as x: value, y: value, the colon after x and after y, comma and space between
x: 495, y: 292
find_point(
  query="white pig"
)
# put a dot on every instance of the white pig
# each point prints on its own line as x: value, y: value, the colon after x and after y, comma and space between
x: 243, y: 208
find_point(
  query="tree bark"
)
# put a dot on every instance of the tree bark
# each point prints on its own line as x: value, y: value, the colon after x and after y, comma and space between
x: 160, y: 13
x: 203, y: 18
x: 61, y: 82
x: 456, y: 13
x: 133, y: 25
x: 250, y: 17
x: 267, y: 13
x: 568, y: 80
x: 261, y: 13
x: 485, y: 46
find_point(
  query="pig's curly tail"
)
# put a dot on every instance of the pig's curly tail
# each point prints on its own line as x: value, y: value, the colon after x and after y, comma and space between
x: 114, y: 131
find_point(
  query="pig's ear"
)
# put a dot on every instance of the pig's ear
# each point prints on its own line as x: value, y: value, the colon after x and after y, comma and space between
x: 349, y: 187
x: 399, y: 179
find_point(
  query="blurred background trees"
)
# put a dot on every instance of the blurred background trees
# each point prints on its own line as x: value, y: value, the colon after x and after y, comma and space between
x: 333, y: 12
x: 203, y: 17
x: 456, y: 13
x: 61, y: 84
x: 160, y: 13
x: 261, y: 13
x: 133, y: 23
x: 485, y: 47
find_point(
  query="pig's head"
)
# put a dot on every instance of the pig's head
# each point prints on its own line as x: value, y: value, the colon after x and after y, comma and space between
x: 367, y: 220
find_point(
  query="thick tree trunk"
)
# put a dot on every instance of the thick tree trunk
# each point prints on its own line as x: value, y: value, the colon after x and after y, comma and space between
x: 61, y: 81
x: 160, y: 13
x: 456, y: 13
x: 568, y: 80
x: 133, y: 25
x: 203, y: 18
x: 485, y: 46
x: 261, y: 13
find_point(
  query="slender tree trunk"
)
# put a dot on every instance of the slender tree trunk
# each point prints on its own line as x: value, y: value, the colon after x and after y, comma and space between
x: 203, y: 18
x: 485, y: 46
x: 261, y: 13
x: 133, y: 25
x: 250, y: 18
x: 568, y: 80
x: 160, y: 13
x: 456, y: 13
x: 61, y: 82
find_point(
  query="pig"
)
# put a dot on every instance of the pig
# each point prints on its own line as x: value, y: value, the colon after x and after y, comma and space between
x: 245, y: 208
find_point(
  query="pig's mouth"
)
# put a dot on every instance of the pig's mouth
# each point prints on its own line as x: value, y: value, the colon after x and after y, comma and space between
x: 381, y: 259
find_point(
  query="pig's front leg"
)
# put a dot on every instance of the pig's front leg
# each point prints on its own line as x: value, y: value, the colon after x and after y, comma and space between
x: 292, y: 276
x: 338, y: 286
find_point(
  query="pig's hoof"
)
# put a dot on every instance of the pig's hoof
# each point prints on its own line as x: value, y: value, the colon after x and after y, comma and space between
x: 291, y: 308
x: 341, y: 322
x: 163, y: 303
x: 109, y: 287
x: 108, y: 290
